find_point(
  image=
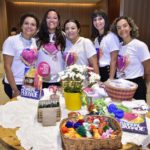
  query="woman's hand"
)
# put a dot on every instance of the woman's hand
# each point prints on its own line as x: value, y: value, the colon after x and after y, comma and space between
x: 8, y: 60
x: 15, y: 93
x: 113, y: 64
x: 94, y: 63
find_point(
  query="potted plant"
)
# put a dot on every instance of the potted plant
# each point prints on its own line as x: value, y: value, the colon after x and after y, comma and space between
x: 73, y: 80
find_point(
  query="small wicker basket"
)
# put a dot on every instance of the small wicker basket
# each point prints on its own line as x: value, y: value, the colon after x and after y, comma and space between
x: 48, y: 110
x: 91, y: 143
x: 40, y: 113
x: 120, y: 93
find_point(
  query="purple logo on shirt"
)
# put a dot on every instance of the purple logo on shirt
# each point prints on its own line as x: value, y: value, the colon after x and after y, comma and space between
x: 122, y: 62
x: 50, y: 48
x: 70, y: 58
x: 29, y: 56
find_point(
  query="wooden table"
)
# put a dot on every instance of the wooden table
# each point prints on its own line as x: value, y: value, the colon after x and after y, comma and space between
x: 9, y: 140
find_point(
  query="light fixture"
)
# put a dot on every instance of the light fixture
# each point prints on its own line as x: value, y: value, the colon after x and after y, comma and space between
x: 55, y: 4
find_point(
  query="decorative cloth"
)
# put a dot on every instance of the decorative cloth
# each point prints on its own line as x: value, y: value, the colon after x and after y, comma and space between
x: 23, y: 113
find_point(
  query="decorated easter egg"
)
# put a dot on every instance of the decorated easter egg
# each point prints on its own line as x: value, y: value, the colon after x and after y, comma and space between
x: 29, y: 55
x: 43, y: 69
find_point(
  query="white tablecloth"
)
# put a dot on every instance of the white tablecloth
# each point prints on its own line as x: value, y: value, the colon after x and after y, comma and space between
x: 23, y: 113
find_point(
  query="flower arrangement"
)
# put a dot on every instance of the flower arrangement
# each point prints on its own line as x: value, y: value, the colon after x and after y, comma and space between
x: 75, y: 76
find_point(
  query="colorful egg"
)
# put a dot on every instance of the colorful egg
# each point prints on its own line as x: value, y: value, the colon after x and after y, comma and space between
x: 43, y: 69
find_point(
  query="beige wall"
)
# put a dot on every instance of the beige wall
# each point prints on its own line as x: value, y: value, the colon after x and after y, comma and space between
x: 103, y: 4
x: 83, y: 14
x: 77, y: 12
x: 3, y: 23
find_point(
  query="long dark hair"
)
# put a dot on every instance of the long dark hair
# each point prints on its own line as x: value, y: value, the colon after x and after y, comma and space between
x: 95, y: 14
x: 43, y: 34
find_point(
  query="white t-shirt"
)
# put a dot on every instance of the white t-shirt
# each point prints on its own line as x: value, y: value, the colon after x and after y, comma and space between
x: 109, y: 43
x: 83, y: 48
x: 130, y: 59
x: 56, y: 62
x: 13, y: 46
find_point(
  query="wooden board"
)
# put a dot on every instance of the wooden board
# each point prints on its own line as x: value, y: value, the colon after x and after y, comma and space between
x: 9, y: 140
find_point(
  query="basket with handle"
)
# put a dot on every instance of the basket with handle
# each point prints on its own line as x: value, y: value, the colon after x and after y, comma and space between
x: 85, y: 143
x: 117, y: 90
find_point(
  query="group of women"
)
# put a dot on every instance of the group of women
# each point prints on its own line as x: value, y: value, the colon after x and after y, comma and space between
x: 114, y: 53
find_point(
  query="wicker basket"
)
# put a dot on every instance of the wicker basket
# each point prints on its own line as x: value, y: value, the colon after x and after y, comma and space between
x: 93, y: 144
x: 40, y: 113
x: 120, y: 93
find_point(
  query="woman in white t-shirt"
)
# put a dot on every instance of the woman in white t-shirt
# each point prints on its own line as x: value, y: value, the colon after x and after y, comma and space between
x: 19, y: 53
x: 106, y: 43
x: 51, y: 43
x: 78, y: 50
x: 134, y: 57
